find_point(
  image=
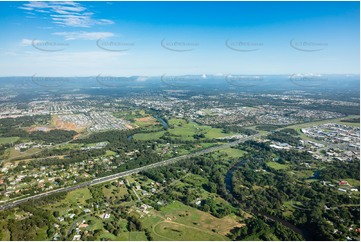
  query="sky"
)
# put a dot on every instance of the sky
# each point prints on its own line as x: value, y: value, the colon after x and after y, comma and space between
x: 178, y: 38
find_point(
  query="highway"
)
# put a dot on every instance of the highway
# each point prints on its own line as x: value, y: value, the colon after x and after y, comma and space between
x: 127, y: 173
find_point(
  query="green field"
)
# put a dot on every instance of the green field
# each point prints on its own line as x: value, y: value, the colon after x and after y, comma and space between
x: 110, y: 153
x: 353, y: 182
x: 8, y: 140
x: 137, y: 236
x: 182, y: 222
x: 72, y: 200
x: 276, y: 165
x: 303, y: 174
x: 234, y: 153
x: 114, y: 191
x: 195, y: 180
x: 149, y: 136
x: 14, y: 154
x: 146, y: 121
x: 176, y: 231
x: 214, y: 133
x: 185, y: 130
x: 181, y: 129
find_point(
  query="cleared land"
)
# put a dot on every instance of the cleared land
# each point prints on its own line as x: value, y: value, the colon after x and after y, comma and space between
x: 276, y: 165
x: 185, y: 130
x: 146, y: 121
x: 177, y: 221
x: 179, y: 129
x: 8, y: 140
x: 148, y: 136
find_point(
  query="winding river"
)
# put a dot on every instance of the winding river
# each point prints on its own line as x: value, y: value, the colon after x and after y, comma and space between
x: 164, y: 123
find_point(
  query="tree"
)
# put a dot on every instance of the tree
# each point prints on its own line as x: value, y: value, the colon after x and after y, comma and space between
x: 206, y: 207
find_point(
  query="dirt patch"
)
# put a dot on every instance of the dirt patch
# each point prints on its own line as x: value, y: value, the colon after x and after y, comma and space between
x: 146, y: 119
x: 232, y: 224
x: 60, y: 124
x: 65, y: 125
x: 128, y: 126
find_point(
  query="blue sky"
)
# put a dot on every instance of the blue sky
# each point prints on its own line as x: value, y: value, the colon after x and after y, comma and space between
x: 156, y: 38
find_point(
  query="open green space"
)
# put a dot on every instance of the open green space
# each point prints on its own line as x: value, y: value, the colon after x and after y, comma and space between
x: 185, y: 130
x: 277, y: 166
x: 182, y: 222
x: 8, y: 140
x: 177, y: 231
x: 148, y: 136
x: 233, y: 153
x: 353, y: 182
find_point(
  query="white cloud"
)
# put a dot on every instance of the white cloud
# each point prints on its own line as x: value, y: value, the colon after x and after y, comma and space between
x: 28, y: 42
x: 84, y: 35
x: 65, y: 13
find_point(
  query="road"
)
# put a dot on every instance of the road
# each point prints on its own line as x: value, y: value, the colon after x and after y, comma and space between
x: 127, y: 173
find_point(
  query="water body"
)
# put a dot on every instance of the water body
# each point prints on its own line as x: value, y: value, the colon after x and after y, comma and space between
x: 164, y: 123
x: 229, y: 176
x: 229, y: 188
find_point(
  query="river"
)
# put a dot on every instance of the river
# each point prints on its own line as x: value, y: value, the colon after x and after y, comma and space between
x: 164, y: 123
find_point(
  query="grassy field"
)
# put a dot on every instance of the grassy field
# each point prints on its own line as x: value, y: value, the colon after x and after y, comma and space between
x: 110, y: 153
x: 180, y: 129
x: 195, y: 180
x: 175, y: 231
x: 353, y: 182
x: 276, y: 165
x: 125, y: 236
x: 234, y: 153
x: 115, y: 191
x: 8, y: 140
x: 207, y: 145
x: 289, y: 204
x: 137, y: 236
x: 14, y: 154
x: 146, y: 121
x: 289, y: 209
x: 177, y: 221
x: 72, y: 200
x: 148, y: 136
x: 303, y: 174
x: 185, y: 130
x: 213, y: 133
x: 78, y: 196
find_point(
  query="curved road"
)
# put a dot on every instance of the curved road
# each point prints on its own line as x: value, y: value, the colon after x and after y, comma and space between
x: 126, y: 173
